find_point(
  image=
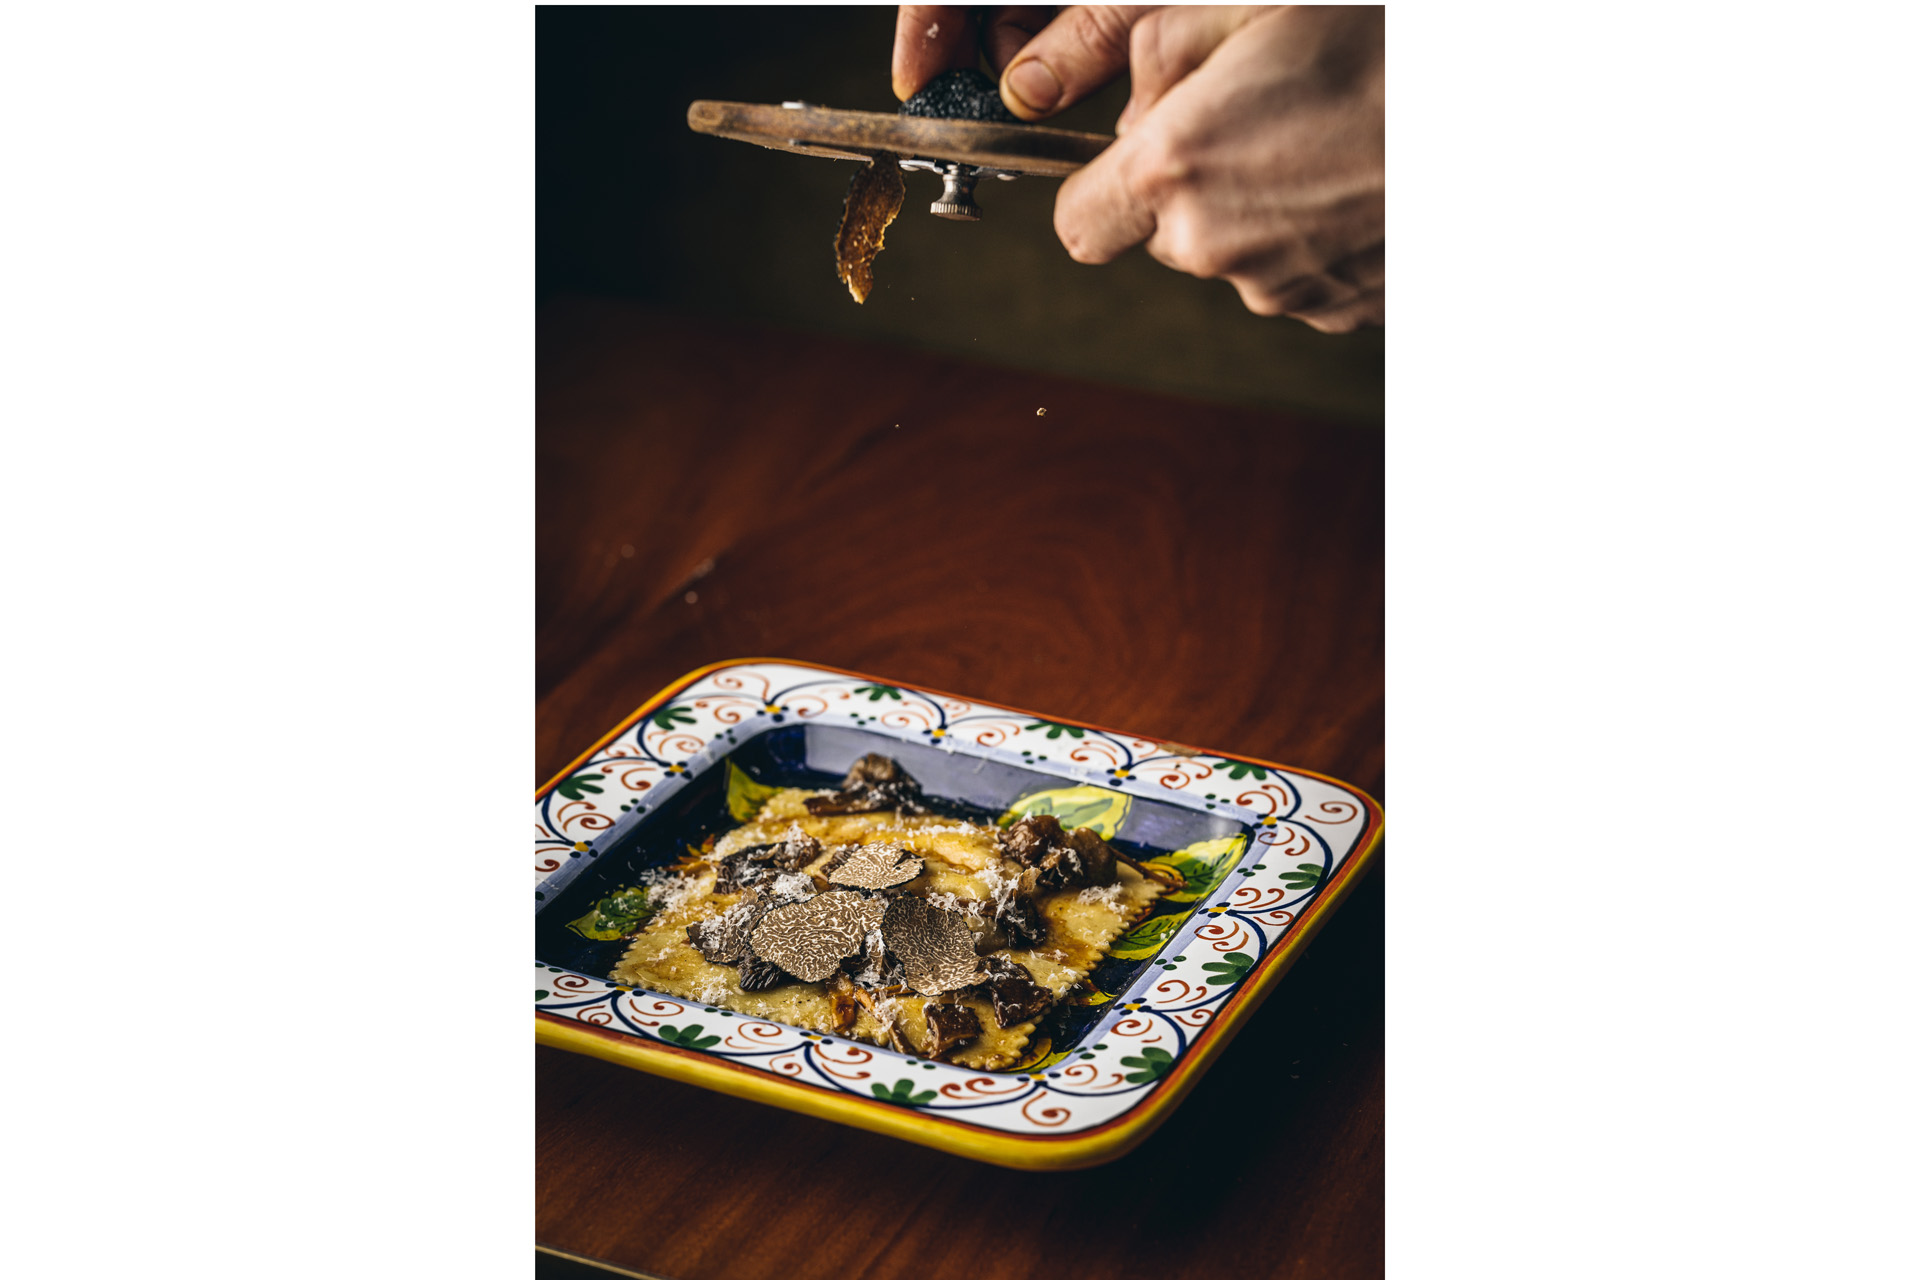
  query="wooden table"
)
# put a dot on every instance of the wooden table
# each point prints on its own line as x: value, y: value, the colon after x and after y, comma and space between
x: 1197, y: 573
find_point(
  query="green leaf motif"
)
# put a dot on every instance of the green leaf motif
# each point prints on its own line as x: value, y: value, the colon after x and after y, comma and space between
x: 672, y: 717
x: 1055, y: 730
x: 1302, y: 877
x: 581, y: 784
x: 1096, y: 807
x: 1147, y: 937
x: 1229, y: 970
x: 744, y: 795
x: 688, y: 1037
x: 1204, y: 865
x: 875, y: 692
x: 1152, y: 1063
x: 902, y: 1092
x: 618, y: 915
x: 1237, y: 769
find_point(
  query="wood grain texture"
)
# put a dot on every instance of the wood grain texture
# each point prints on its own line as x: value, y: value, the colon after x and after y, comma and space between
x: 1203, y: 574
x: 855, y: 135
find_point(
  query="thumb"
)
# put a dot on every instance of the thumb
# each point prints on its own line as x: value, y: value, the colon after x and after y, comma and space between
x: 1077, y: 53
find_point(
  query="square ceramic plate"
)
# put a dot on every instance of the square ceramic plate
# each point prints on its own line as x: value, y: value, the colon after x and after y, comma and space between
x: 1267, y: 853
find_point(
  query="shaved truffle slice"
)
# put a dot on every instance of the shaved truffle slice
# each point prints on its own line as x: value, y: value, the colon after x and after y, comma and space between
x: 875, y: 782
x: 948, y: 1027
x: 794, y: 854
x: 809, y: 939
x: 759, y: 975
x: 876, y: 866
x: 873, y: 201
x: 1016, y: 996
x: 742, y: 870
x: 933, y: 944
x: 723, y: 939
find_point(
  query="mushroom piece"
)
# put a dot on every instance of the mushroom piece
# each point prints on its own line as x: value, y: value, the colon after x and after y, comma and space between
x: 948, y: 1027
x: 875, y: 866
x: 809, y: 939
x: 1028, y: 840
x: 874, y: 783
x: 1096, y: 855
x: 933, y: 944
x: 1015, y: 995
x: 846, y: 1002
x: 1056, y: 858
x: 1020, y: 920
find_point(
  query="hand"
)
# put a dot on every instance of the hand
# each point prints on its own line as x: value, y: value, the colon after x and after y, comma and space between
x: 1252, y: 150
x: 931, y: 38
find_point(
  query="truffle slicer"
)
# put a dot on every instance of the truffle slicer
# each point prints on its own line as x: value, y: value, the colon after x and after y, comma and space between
x: 961, y: 151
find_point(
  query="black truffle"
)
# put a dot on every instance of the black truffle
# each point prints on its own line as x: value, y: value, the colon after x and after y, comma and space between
x: 965, y: 94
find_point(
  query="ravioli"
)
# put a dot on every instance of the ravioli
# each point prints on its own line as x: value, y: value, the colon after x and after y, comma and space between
x: 967, y: 871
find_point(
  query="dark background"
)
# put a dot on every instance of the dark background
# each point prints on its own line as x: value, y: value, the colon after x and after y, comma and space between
x: 632, y: 204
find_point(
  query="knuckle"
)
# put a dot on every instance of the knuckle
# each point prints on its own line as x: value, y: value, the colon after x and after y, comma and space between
x: 1182, y: 243
x: 1105, y: 29
x: 1161, y: 167
x: 1143, y: 45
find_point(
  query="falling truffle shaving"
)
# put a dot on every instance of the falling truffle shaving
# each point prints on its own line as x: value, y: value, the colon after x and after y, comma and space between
x: 933, y: 944
x: 876, y: 866
x: 873, y: 201
x: 809, y: 939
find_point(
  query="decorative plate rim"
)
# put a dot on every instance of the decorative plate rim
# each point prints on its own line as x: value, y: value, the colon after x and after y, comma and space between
x: 1095, y: 1144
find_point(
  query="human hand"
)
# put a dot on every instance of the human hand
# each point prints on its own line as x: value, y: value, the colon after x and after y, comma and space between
x: 931, y: 38
x: 1252, y: 150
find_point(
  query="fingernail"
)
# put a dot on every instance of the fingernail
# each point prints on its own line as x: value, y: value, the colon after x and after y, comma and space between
x: 1034, y: 83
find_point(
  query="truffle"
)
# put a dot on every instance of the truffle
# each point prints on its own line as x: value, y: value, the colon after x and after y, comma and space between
x: 809, y: 939
x: 874, y: 198
x: 758, y: 975
x: 795, y: 853
x: 948, y: 1027
x: 963, y: 94
x: 876, y: 866
x: 742, y: 870
x: 723, y: 939
x: 874, y: 783
x: 933, y: 944
x: 1015, y: 995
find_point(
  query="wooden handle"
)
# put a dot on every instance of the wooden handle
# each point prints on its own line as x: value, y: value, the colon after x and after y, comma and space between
x: 858, y: 135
